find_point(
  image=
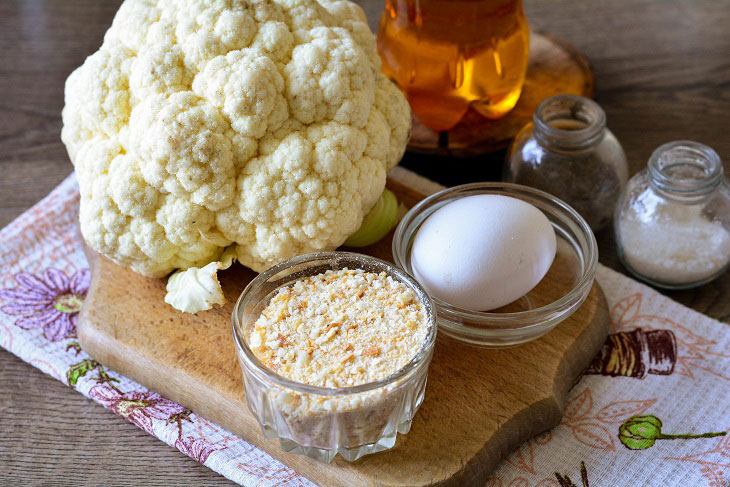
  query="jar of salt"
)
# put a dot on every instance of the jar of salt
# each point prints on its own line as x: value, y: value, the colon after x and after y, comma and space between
x: 672, y: 223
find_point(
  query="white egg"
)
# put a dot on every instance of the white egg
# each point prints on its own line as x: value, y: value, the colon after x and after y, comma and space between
x: 484, y: 251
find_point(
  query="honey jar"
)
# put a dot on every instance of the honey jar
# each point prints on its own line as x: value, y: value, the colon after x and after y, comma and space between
x: 447, y: 55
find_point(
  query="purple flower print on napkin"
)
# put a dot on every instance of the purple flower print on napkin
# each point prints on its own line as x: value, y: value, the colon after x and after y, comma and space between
x: 196, y: 448
x: 139, y: 407
x: 51, y: 302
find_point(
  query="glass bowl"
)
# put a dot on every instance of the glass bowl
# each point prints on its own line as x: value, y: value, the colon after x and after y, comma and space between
x: 557, y: 296
x: 320, y: 422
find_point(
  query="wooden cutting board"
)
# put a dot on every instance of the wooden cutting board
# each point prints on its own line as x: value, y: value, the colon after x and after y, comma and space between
x: 480, y: 403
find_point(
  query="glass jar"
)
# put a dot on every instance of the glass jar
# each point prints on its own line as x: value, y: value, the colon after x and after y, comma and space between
x: 447, y: 55
x: 673, y: 222
x: 568, y: 152
x: 321, y: 422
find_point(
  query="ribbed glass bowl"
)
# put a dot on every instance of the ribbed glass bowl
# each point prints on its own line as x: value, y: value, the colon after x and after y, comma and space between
x: 320, y: 422
x: 560, y: 293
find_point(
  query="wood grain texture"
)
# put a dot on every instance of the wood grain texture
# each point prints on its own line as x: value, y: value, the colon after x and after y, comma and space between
x: 662, y: 73
x: 554, y: 68
x: 480, y: 403
x: 52, y: 435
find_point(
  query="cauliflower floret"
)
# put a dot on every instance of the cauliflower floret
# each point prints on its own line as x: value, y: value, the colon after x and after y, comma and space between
x: 351, y: 17
x: 133, y: 23
x: 131, y: 193
x: 208, y: 29
x: 157, y: 71
x: 186, y: 148
x: 195, y: 290
x: 390, y: 102
x: 247, y: 87
x: 97, y: 98
x: 330, y: 78
x: 263, y: 127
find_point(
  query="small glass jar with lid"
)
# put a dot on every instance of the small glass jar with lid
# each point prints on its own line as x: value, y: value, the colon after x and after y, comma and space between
x: 672, y: 223
x: 568, y: 152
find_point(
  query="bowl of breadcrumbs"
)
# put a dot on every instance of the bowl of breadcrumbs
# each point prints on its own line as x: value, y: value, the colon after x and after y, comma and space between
x: 334, y: 348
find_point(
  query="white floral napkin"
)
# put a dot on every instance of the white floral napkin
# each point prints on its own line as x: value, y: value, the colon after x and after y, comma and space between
x: 653, y: 410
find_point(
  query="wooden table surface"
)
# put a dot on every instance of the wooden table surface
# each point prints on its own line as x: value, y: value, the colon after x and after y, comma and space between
x: 662, y: 73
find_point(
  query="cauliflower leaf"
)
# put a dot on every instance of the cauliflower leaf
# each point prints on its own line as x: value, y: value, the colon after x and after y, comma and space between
x: 378, y: 222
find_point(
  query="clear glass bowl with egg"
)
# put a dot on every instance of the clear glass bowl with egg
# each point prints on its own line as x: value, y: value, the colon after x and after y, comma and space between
x: 321, y: 422
x: 557, y: 296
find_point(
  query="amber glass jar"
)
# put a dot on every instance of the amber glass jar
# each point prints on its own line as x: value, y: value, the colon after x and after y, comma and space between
x: 449, y: 54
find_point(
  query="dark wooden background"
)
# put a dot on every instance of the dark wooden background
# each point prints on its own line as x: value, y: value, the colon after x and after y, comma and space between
x: 662, y: 73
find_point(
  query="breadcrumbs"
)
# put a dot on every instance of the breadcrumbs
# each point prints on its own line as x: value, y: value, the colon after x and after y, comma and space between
x: 340, y: 328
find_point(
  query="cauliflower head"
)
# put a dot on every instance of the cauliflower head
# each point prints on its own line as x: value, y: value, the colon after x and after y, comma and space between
x: 264, y: 126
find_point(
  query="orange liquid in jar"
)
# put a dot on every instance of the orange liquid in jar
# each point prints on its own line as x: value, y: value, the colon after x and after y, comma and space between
x: 449, y: 54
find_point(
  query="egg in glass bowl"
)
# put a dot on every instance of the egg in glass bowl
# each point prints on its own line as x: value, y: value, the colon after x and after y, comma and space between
x: 555, y: 296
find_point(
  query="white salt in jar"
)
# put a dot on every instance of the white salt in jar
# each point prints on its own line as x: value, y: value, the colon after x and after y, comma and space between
x: 672, y: 223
